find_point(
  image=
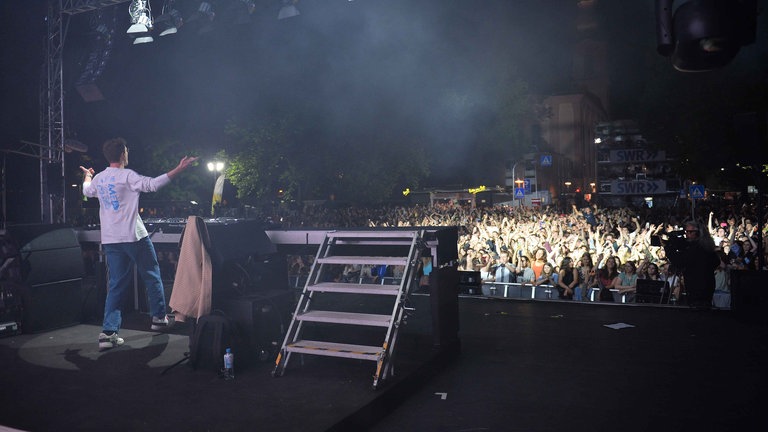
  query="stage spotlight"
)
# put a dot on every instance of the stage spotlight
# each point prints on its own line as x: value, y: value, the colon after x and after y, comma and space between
x: 203, y: 17
x: 169, y: 20
x: 288, y: 10
x: 141, y: 17
x: 701, y: 35
x: 143, y: 39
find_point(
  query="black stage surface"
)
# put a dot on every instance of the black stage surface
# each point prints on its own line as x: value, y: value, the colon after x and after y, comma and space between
x: 523, y: 366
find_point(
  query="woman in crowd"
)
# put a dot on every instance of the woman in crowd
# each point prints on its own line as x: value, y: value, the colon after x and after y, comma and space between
x: 539, y: 259
x: 587, y: 279
x: 548, y: 276
x: 606, y: 277
x: 568, y: 278
x: 626, y: 282
x: 651, y: 273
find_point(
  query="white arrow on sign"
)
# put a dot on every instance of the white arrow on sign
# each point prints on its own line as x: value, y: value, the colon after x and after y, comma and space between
x: 443, y: 396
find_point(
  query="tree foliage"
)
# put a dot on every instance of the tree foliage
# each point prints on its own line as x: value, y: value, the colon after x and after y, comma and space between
x: 164, y: 155
x: 281, y: 160
x: 262, y: 162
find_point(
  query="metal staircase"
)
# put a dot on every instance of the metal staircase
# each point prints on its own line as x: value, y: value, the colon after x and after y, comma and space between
x: 357, y: 318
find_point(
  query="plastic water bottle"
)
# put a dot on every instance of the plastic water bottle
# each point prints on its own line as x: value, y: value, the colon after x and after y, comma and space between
x: 229, y: 364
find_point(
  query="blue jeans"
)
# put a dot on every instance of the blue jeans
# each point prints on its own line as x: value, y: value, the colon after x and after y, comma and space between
x: 121, y: 257
x: 579, y: 294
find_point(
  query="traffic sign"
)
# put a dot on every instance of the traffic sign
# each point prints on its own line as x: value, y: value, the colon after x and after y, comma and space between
x: 546, y: 160
x: 696, y: 191
x: 519, y: 193
x: 527, y: 185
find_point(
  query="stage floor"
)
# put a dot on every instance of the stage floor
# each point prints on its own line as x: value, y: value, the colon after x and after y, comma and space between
x: 528, y: 366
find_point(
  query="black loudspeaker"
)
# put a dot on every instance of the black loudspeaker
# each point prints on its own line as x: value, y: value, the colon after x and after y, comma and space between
x: 52, y: 274
x: 49, y: 253
x: 244, y: 260
x: 447, y: 238
x: 262, y: 320
x: 444, y: 302
x: 52, y: 305
x: 749, y: 299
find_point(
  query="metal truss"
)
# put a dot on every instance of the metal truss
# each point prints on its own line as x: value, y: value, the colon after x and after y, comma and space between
x: 52, y: 125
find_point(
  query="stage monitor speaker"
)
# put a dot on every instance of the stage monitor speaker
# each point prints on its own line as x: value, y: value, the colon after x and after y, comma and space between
x: 238, y: 240
x: 52, y: 305
x: 244, y: 260
x: 49, y: 253
x: 52, y: 273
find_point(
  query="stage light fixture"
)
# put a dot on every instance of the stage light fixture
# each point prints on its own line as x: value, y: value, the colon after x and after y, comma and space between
x: 141, y: 17
x: 288, y: 10
x: 202, y: 18
x: 701, y: 35
x: 143, y: 39
x: 169, y: 20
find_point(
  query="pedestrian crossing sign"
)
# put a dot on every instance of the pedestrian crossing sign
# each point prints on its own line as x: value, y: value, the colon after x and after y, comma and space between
x: 546, y: 160
x: 696, y: 191
x: 519, y: 193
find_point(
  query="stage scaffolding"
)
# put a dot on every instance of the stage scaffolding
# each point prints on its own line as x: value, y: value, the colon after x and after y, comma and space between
x: 50, y: 149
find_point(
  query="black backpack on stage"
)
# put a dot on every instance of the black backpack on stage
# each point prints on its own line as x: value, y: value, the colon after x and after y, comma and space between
x: 212, y: 335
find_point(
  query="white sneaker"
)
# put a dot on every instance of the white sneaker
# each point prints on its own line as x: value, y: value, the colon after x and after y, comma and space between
x: 164, y: 323
x: 111, y: 341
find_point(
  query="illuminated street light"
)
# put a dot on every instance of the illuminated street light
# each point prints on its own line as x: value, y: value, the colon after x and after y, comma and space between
x: 216, y: 167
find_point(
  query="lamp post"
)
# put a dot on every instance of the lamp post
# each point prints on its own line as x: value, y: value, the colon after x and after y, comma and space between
x: 216, y: 167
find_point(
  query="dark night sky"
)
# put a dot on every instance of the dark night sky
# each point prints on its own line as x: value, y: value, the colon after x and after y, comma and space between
x: 431, y: 64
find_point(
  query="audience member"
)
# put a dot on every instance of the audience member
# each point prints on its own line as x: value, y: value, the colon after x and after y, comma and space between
x: 568, y: 278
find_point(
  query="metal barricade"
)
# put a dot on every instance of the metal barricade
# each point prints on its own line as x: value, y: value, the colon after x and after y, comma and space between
x: 519, y: 290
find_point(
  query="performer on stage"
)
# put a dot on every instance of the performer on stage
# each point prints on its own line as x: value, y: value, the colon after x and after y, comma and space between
x: 124, y: 238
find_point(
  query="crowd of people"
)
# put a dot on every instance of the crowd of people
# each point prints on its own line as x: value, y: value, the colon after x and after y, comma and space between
x: 587, y: 250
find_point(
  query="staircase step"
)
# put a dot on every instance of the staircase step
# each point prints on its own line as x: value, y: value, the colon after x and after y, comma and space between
x: 372, y: 260
x: 332, y: 349
x: 373, y: 320
x: 351, y: 288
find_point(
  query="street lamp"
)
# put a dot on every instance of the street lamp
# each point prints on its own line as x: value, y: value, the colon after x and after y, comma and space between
x: 216, y: 167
